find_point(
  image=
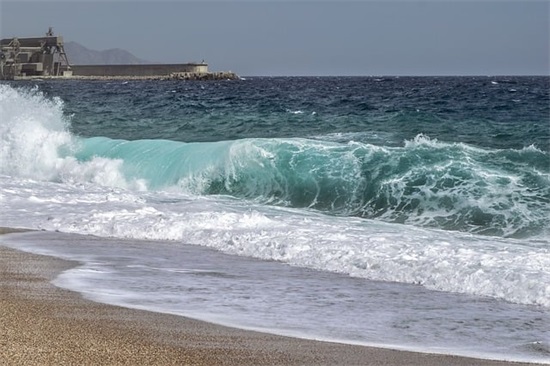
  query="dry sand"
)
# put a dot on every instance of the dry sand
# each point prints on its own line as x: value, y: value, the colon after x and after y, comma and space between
x: 41, y: 324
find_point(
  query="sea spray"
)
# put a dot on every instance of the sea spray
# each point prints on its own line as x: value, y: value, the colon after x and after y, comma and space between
x: 33, y: 129
x: 37, y: 143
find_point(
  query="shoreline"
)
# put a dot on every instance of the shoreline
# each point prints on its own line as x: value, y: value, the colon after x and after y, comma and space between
x: 48, y: 325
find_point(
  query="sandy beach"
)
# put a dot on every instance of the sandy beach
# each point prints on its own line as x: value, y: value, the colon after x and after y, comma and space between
x: 45, y: 325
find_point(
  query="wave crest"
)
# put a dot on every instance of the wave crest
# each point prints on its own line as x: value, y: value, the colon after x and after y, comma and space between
x: 425, y: 182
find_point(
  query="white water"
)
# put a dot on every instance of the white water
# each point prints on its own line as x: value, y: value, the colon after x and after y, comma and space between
x: 197, y: 282
x: 512, y: 270
x: 507, y: 269
x: 491, y: 298
x: 315, y: 304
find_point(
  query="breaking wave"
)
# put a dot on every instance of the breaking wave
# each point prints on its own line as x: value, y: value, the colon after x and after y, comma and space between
x: 425, y: 182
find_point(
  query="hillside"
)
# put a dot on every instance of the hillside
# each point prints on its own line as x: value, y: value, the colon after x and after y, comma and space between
x: 80, y: 55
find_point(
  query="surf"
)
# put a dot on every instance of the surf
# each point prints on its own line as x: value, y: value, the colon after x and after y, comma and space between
x: 446, y: 215
x: 424, y: 182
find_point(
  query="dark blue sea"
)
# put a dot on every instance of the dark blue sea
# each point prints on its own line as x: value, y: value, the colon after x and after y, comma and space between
x: 402, y: 212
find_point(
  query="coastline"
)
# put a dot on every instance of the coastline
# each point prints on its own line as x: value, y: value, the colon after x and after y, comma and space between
x: 47, y: 325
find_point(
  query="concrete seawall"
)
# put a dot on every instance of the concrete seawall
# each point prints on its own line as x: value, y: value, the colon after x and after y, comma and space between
x: 189, y: 71
x: 138, y: 70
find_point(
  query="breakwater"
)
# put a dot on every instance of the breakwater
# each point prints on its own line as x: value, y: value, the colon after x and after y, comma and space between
x: 187, y: 71
x: 221, y: 75
x: 139, y: 69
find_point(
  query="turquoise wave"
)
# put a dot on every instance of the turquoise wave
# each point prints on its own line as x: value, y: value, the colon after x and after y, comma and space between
x: 451, y: 186
x: 426, y: 182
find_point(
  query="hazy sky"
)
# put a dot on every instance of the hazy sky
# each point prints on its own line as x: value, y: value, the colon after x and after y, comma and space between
x: 445, y: 37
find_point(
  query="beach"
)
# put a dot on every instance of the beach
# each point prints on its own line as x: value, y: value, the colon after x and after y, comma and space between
x: 46, y: 325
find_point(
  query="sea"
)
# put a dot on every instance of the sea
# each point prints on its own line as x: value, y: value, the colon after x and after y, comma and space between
x: 401, y: 212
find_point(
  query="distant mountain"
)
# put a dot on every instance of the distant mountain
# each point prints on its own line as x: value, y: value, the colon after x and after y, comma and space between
x: 80, y: 55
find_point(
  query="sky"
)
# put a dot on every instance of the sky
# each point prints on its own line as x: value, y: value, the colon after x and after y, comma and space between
x: 307, y: 37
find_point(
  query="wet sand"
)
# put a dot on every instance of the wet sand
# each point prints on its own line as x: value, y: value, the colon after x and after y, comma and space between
x: 45, y: 325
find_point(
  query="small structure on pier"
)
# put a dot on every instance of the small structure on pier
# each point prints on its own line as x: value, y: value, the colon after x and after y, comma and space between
x: 36, y: 56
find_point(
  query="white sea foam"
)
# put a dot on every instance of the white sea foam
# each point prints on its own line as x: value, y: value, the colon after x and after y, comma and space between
x: 36, y: 143
x: 94, y: 197
x: 377, y: 138
x: 508, y: 269
x: 295, y: 112
x: 32, y: 130
x: 270, y: 296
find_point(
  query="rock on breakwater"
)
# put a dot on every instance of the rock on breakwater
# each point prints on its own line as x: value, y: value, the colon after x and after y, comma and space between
x: 184, y: 76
